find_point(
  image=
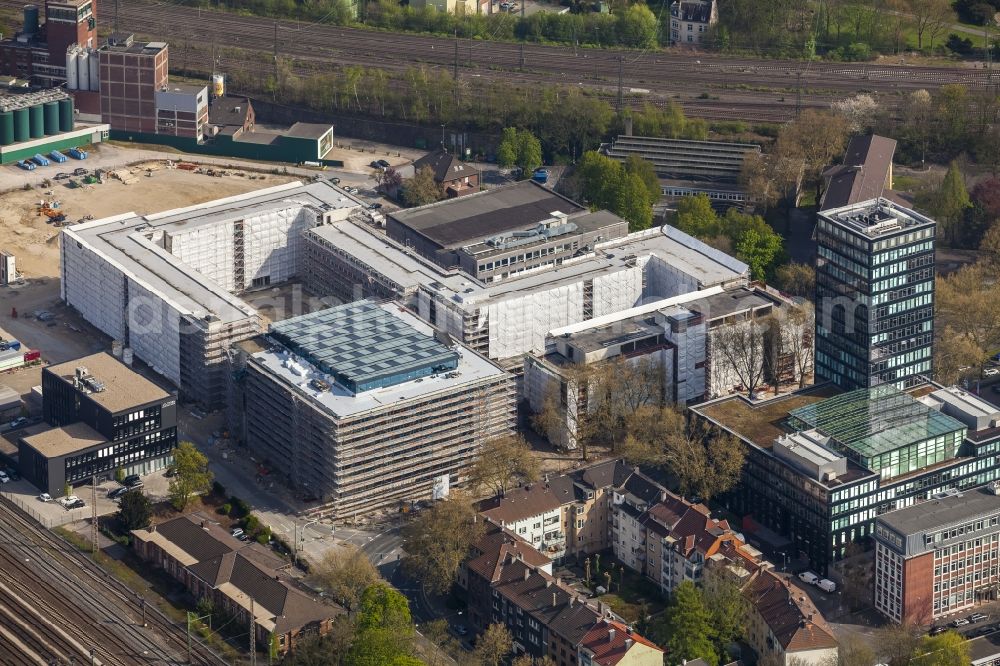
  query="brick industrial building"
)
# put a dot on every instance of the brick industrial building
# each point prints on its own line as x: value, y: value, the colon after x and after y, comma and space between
x: 362, y: 406
x: 101, y: 416
x: 938, y: 557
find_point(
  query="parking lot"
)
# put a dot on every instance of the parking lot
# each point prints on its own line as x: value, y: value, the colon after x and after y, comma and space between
x: 52, y: 514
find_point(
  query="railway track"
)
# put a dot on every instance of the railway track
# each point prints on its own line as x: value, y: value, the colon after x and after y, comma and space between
x: 739, y: 86
x: 56, y: 605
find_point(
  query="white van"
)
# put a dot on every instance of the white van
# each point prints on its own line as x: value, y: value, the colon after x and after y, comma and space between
x: 826, y: 585
x: 808, y: 577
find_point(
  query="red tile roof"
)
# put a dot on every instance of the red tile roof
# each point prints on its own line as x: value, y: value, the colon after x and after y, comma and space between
x: 793, y: 619
x: 608, y: 648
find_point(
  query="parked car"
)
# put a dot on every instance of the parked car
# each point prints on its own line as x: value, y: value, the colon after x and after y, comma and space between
x: 383, y: 164
x: 69, y: 499
x: 977, y: 617
x: 19, y: 422
x: 808, y: 577
x: 4, y: 478
x: 374, y: 206
x: 334, y: 180
x: 115, y: 493
x: 937, y: 630
x: 237, y: 532
x: 132, y: 481
x: 78, y: 504
x: 991, y: 372
x: 45, y: 497
x: 461, y: 630
x: 374, y: 164
x: 827, y: 585
x: 960, y: 622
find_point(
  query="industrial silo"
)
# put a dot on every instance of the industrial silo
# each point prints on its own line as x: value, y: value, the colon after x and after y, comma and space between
x: 36, y: 121
x: 83, y: 70
x: 95, y: 71
x: 71, y: 79
x: 21, y: 125
x: 6, y: 128
x: 30, y: 19
x: 52, y: 117
x: 65, y: 115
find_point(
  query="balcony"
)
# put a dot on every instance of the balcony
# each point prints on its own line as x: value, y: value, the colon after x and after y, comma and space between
x: 554, y: 544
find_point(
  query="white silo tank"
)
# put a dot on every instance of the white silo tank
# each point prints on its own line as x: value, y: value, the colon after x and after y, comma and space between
x: 127, y: 356
x: 95, y: 71
x: 83, y: 70
x: 218, y: 85
x: 116, y: 348
x: 71, y: 77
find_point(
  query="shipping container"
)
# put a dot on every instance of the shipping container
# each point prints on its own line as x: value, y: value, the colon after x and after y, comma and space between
x: 32, y: 355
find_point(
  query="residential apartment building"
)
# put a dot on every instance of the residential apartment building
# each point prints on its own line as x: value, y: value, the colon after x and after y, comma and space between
x: 569, y: 514
x: 874, y: 295
x: 670, y: 540
x: 237, y: 578
x: 784, y: 624
x: 454, y: 176
x: 822, y: 465
x: 938, y: 557
x: 100, y: 416
x: 363, y: 406
x: 611, y: 643
x: 690, y: 20
x: 678, y: 338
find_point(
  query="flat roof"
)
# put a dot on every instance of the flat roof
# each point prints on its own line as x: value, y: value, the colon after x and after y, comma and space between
x: 65, y: 440
x: 308, y: 130
x: 338, y: 401
x: 457, y: 222
x: 810, y: 445
x: 184, y: 88
x: 942, y: 512
x: 124, y: 387
x: 362, y: 344
x: 126, y: 241
x: 875, y: 420
x: 386, y: 257
x: 876, y: 218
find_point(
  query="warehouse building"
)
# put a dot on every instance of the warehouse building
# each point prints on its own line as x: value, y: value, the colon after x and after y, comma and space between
x: 167, y: 285
x: 100, y: 416
x: 362, y: 406
x: 505, y: 319
x: 501, y: 233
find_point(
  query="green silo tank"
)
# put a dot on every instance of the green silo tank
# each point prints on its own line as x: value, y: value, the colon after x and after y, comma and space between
x: 66, y: 115
x: 51, y: 117
x: 6, y: 128
x: 36, y: 121
x: 21, y: 123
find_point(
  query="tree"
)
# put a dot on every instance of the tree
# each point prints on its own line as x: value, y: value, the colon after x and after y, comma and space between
x: 689, y: 627
x: 528, y: 660
x: 815, y: 138
x: 796, y: 279
x: 947, y: 649
x: 384, y: 629
x: 388, y: 180
x: 502, y: 462
x: 950, y: 203
x: 896, y: 643
x: 727, y: 606
x: 438, y: 541
x: 801, y: 324
x: 327, y: 650
x: 696, y: 216
x: 741, y: 346
x: 632, y: 202
x: 422, y: 189
x: 134, y: 510
x: 191, y: 475
x: 930, y: 18
x: 616, y: 390
x: 852, y: 651
x: 519, y: 148
x: 705, y: 462
x: 606, y: 184
x: 859, y: 112
x: 493, y: 645
x: 990, y: 246
x: 346, y: 573
x: 647, y: 174
x: 966, y: 307
x: 438, y: 632
x: 758, y: 248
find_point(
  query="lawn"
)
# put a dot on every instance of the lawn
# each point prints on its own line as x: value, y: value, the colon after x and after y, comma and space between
x: 629, y: 598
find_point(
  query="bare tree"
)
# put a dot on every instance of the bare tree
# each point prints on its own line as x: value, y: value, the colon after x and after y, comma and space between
x: 345, y: 573
x: 800, y: 343
x: 816, y: 138
x: 930, y: 17
x: 493, y: 645
x: 502, y: 463
x: 614, y: 391
x: 741, y: 346
x: 438, y: 541
x: 896, y: 643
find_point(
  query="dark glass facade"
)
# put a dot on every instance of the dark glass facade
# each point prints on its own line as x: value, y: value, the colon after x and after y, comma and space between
x: 874, y: 295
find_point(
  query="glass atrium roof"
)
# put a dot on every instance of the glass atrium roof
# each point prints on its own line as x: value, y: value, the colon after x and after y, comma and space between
x: 874, y: 421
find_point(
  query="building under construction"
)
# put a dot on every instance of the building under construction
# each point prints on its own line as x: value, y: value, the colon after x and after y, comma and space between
x: 167, y: 285
x: 363, y: 406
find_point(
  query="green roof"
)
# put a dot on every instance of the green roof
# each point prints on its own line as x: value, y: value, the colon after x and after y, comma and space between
x: 874, y: 421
